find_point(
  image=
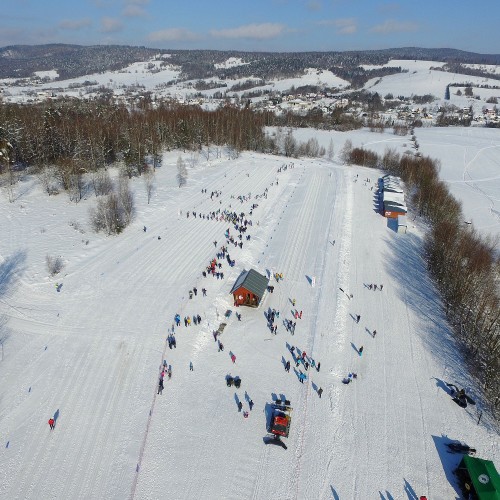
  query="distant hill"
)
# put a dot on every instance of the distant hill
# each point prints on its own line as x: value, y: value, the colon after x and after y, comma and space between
x: 70, y: 61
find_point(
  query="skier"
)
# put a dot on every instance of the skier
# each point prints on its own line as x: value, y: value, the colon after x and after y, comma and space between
x: 300, y: 315
x: 374, y: 333
x: 160, y: 386
x: 318, y: 366
x: 287, y: 366
x: 204, y: 292
x: 360, y: 350
x: 233, y: 358
x: 240, y: 405
x: 250, y: 404
x: 320, y: 391
x: 191, y: 366
x: 195, y: 290
x: 52, y: 423
x: 358, y: 317
x: 381, y: 286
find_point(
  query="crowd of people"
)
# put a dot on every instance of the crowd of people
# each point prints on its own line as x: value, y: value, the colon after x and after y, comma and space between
x: 236, y: 232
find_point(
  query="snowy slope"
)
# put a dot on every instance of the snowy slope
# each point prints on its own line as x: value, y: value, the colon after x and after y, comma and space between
x: 91, y: 353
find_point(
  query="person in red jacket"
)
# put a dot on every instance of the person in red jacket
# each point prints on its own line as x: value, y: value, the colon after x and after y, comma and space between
x: 52, y: 423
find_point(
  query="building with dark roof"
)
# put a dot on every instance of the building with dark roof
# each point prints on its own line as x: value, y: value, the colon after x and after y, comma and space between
x: 249, y: 288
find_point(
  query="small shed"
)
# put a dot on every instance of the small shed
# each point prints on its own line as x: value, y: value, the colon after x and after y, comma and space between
x: 249, y: 288
x: 479, y: 478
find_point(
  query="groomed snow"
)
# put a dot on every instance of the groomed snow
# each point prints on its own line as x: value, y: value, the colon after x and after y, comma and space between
x: 91, y: 352
x: 469, y: 163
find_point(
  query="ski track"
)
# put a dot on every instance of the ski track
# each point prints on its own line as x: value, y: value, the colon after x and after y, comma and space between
x: 94, y: 350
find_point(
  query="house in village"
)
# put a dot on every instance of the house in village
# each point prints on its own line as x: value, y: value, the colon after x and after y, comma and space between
x: 249, y: 288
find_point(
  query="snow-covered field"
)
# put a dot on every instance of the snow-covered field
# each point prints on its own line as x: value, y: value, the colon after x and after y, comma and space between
x: 469, y: 157
x: 90, y: 354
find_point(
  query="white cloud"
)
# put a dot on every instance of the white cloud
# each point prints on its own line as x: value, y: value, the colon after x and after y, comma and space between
x: 110, y: 25
x: 255, y: 31
x: 173, y: 35
x: 134, y: 11
x: 392, y: 26
x: 74, y: 24
x: 345, y: 26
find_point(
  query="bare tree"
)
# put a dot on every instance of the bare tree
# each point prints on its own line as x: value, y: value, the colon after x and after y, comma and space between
x: 126, y: 200
x: 101, y: 182
x: 149, y: 182
x: 181, y: 172
x: 345, y: 153
x: 331, y: 151
x: 289, y: 143
x: 107, y: 215
x: 54, y: 264
x: 47, y: 178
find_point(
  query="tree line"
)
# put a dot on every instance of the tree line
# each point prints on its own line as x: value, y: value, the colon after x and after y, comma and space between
x: 464, y: 266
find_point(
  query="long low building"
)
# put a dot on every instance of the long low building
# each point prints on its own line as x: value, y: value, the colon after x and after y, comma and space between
x: 391, y: 196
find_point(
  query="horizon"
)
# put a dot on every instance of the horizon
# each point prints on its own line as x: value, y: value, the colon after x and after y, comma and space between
x: 269, y: 26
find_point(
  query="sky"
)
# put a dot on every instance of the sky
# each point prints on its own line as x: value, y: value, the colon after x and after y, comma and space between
x: 257, y: 25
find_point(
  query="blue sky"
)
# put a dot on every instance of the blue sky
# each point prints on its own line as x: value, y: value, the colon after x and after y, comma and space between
x: 263, y: 25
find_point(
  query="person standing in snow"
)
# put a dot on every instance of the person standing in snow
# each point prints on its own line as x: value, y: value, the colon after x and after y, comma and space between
x: 318, y: 367
x: 250, y: 404
x: 360, y: 350
x: 160, y: 386
x: 358, y: 317
x: 287, y: 366
x: 320, y: 391
x: 52, y: 423
x: 374, y: 333
x: 191, y: 366
x: 233, y: 358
